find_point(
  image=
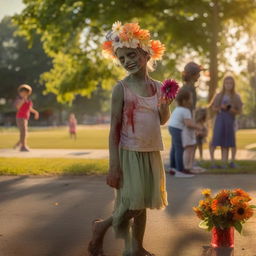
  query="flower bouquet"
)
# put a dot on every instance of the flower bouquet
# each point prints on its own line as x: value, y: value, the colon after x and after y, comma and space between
x: 222, y: 213
x: 170, y: 89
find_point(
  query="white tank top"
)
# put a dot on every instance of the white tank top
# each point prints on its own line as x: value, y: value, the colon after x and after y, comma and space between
x: 141, y: 121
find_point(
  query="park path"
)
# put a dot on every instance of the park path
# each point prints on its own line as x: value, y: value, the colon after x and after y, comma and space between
x: 51, y: 216
x: 243, y: 154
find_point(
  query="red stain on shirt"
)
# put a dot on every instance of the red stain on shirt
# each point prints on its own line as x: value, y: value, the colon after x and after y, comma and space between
x: 130, y: 109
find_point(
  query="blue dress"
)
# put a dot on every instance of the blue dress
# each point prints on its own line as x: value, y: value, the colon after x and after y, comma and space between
x: 224, y: 127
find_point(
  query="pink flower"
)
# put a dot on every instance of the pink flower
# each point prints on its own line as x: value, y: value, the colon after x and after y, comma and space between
x: 170, y: 88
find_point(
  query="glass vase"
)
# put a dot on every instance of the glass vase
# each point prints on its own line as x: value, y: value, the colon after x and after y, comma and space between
x: 222, y: 237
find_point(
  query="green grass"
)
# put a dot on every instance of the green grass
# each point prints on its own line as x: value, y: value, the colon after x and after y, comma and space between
x: 63, y: 166
x: 89, y: 137
x: 53, y: 166
x: 244, y: 167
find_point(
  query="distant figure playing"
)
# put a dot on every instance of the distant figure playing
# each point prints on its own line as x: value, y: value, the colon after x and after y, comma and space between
x: 24, y: 106
x: 72, y: 123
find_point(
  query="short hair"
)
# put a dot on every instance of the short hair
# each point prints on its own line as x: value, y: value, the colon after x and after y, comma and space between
x: 26, y: 88
x: 183, y: 95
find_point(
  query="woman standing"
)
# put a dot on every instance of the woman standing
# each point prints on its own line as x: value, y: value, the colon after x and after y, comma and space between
x: 226, y: 104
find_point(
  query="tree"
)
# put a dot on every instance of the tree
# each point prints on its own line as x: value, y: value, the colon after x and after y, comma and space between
x: 19, y: 64
x: 71, y: 31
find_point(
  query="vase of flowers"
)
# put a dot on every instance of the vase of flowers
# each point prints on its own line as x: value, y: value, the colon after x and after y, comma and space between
x: 223, y: 213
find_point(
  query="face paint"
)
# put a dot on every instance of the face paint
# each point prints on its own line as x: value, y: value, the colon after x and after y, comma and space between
x: 131, y: 59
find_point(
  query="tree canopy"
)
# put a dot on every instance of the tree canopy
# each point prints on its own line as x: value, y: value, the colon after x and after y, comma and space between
x: 72, y: 30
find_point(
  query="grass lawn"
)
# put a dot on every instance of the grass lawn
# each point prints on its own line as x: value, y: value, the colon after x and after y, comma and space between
x: 63, y: 166
x: 53, y: 166
x: 89, y: 137
x: 244, y: 167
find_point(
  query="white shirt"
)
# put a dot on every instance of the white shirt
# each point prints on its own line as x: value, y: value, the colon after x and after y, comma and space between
x: 177, y: 117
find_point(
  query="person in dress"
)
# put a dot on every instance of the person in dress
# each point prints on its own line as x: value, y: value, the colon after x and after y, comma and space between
x: 135, y: 170
x: 72, y: 124
x: 227, y: 105
x: 201, y: 135
x: 24, y: 106
x: 182, y: 130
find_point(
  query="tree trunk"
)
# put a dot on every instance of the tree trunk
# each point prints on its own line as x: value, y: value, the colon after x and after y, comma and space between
x: 214, y: 51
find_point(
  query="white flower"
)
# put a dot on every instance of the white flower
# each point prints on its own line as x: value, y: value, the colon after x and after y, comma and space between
x: 134, y: 43
x: 117, y: 45
x: 117, y: 26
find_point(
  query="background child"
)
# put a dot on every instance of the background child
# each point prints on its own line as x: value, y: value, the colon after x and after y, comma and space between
x: 24, y: 106
x: 226, y: 104
x: 200, y: 119
x: 136, y: 170
x: 183, y: 141
x: 72, y: 124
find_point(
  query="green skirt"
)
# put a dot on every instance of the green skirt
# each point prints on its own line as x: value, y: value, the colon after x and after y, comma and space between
x: 143, y: 186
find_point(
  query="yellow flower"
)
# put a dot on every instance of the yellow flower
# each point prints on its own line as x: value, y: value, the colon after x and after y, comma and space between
x: 206, y: 192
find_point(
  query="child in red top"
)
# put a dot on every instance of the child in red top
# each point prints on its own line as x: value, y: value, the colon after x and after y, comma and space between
x: 72, y: 123
x: 24, y: 106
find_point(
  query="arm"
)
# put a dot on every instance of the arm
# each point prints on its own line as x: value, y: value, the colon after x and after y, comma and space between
x: 191, y: 124
x: 115, y: 172
x: 164, y: 111
x: 237, y: 109
x: 36, y: 114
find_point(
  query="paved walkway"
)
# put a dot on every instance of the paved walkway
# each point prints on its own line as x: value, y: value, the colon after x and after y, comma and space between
x: 98, y: 153
x: 52, y: 216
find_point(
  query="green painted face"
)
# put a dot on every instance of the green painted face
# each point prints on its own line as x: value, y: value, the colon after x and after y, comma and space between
x: 132, y: 60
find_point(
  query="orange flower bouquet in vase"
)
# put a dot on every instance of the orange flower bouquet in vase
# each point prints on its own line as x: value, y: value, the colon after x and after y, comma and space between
x: 222, y: 213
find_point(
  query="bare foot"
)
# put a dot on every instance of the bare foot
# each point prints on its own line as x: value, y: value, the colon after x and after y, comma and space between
x: 95, y: 247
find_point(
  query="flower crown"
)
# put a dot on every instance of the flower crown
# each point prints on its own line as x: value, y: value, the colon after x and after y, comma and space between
x: 130, y: 35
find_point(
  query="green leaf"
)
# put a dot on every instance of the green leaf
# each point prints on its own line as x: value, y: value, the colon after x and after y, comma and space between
x: 203, y: 224
x: 253, y: 206
x: 238, y: 226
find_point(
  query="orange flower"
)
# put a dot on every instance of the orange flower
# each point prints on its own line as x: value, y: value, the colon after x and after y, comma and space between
x: 242, y: 193
x: 242, y: 212
x: 237, y: 199
x: 198, y: 212
x: 129, y: 30
x: 107, y: 47
x: 142, y: 35
x: 157, y: 49
x: 219, y: 207
x: 222, y: 195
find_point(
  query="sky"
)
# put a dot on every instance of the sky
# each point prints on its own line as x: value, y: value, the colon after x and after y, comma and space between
x: 10, y: 7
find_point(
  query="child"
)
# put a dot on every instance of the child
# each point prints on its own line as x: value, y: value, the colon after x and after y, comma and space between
x: 24, y: 106
x: 181, y: 128
x: 136, y: 170
x: 226, y: 104
x: 72, y: 123
x: 200, y: 118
